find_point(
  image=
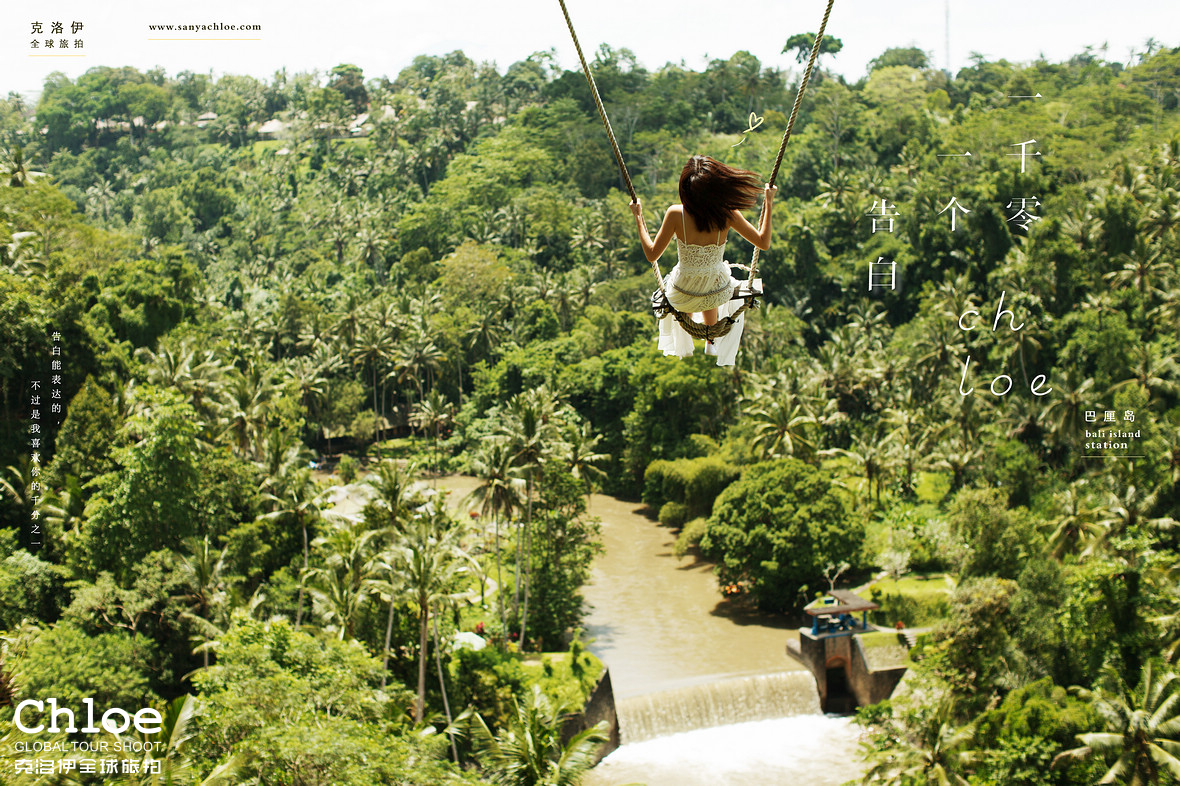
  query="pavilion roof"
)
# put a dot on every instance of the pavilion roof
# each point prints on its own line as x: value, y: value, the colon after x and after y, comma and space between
x: 847, y: 602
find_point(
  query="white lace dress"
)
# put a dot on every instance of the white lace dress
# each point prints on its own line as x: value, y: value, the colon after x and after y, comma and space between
x: 700, y: 281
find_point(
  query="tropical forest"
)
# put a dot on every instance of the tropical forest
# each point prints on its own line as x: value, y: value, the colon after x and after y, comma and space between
x: 312, y: 389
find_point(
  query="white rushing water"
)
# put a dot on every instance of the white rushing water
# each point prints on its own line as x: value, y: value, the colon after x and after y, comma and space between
x: 803, y: 750
x: 720, y: 703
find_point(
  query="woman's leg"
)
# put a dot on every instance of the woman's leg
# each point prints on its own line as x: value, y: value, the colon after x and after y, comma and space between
x: 710, y: 318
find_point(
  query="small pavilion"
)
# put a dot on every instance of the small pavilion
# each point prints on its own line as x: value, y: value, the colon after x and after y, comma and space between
x: 833, y: 614
x: 843, y: 650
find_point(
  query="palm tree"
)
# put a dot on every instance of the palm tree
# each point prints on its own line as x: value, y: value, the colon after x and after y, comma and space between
x: 348, y: 575
x: 341, y: 227
x: 1142, y: 730
x: 956, y: 455
x: 580, y: 457
x: 1171, y: 453
x: 372, y: 244
x: 433, y: 414
x: 907, y: 444
x: 783, y: 425
x: 397, y: 492
x: 484, y: 333
x: 199, y: 376
x: 170, y: 747
x: 1082, y: 227
x: 836, y: 191
x: 1130, y: 506
x: 15, y: 482
x: 1020, y: 419
x: 839, y: 358
x: 587, y: 233
x: 870, y: 454
x: 1169, y: 623
x: 428, y: 557
x: 13, y: 167
x: 1168, y: 310
x: 498, y: 495
x: 1100, y: 303
x: 23, y: 256
x: 1164, y: 215
x: 936, y: 759
x: 531, y: 431
x: 352, y: 317
x: 1066, y: 415
x: 373, y: 348
x: 1076, y: 529
x: 529, y: 752
x: 296, y: 498
x: 417, y: 357
x: 870, y: 320
x: 1156, y: 374
x: 249, y: 399
x: 1029, y: 342
x: 389, y: 585
x: 1145, y: 264
x: 308, y: 378
x: 939, y: 347
x: 203, y: 572
x: 395, y: 484
x: 514, y: 220
x: 100, y: 197
x: 1130, y: 179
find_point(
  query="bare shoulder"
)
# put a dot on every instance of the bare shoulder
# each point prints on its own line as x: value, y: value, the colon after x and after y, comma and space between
x: 674, y: 215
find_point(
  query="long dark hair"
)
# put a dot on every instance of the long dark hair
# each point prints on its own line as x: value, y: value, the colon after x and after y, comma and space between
x: 710, y: 191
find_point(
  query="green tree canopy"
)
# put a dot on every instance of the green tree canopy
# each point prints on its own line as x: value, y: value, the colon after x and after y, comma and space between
x: 776, y: 527
x: 910, y: 56
x: 802, y: 44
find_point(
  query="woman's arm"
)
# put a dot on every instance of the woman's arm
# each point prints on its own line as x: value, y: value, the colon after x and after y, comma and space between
x: 760, y: 237
x: 653, y: 248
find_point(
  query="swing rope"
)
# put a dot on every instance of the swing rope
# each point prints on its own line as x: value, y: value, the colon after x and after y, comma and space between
x: 659, y: 298
x: 601, y: 110
x: 782, y: 148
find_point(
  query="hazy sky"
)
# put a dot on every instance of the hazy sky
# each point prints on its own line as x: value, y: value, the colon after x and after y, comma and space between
x: 383, y: 37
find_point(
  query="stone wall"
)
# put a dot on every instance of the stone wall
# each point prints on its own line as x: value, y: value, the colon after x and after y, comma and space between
x: 868, y: 685
x: 599, y: 707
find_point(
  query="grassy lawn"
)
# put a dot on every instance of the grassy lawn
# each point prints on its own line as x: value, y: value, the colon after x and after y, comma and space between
x: 267, y: 145
x: 915, y: 584
x: 915, y: 599
x: 883, y: 650
x: 551, y: 671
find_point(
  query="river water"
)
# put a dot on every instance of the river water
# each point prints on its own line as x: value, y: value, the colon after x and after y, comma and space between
x: 683, y: 662
x: 661, y: 623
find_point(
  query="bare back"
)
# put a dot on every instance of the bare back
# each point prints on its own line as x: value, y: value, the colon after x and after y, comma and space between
x: 691, y: 234
x: 694, y: 236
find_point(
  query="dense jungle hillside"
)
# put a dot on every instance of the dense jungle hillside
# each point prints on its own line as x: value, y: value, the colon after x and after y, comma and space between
x: 260, y: 291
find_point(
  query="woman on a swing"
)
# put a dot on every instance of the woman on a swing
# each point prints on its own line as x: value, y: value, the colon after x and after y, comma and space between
x: 711, y: 196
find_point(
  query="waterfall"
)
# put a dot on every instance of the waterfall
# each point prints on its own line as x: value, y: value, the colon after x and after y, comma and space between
x: 760, y: 697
